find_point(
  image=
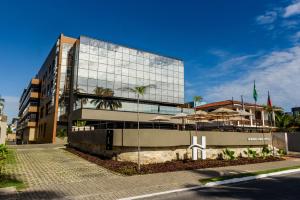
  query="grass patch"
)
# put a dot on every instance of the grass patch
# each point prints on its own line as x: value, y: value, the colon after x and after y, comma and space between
x: 241, y: 175
x: 5, y: 179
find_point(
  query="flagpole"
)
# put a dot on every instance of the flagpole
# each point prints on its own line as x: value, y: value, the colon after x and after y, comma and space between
x: 243, y: 109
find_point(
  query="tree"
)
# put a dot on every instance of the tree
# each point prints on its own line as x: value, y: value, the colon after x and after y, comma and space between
x: 283, y: 121
x: 8, y: 130
x: 1, y: 104
x: 105, y: 99
x: 83, y: 100
x: 139, y: 91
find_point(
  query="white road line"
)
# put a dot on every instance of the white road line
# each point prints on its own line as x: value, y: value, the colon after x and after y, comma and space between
x: 216, y: 183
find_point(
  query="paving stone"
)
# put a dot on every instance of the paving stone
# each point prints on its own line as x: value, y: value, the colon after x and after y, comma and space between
x: 53, y: 173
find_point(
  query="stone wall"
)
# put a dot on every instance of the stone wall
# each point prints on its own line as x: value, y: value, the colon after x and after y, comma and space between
x: 157, y: 155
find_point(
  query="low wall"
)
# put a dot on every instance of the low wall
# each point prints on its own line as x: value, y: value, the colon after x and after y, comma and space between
x: 163, y: 145
x: 294, y: 141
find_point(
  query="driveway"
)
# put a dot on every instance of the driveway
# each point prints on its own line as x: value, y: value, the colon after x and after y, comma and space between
x: 53, y: 173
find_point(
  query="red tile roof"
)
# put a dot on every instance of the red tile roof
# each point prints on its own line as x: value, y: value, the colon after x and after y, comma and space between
x: 225, y: 103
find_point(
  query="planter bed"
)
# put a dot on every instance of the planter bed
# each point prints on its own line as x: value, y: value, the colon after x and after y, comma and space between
x: 130, y: 168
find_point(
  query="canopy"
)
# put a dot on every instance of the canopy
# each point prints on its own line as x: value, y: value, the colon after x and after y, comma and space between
x: 238, y: 119
x: 244, y: 113
x: 224, y: 111
x: 179, y: 116
x: 159, y: 118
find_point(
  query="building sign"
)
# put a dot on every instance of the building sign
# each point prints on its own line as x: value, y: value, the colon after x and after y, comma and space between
x: 259, y: 139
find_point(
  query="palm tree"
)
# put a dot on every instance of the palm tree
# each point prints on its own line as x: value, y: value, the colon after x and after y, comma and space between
x: 105, y: 99
x: 197, y: 99
x: 1, y: 104
x: 139, y: 91
x: 83, y: 100
x: 283, y: 121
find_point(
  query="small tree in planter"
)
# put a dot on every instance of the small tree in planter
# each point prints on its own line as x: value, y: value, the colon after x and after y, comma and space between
x: 229, y: 154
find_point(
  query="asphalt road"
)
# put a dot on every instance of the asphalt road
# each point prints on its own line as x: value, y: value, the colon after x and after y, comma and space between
x: 280, y: 187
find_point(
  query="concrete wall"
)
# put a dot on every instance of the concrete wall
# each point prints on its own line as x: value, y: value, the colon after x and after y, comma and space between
x: 94, y: 114
x: 294, y: 141
x: 163, y: 145
x: 169, y: 138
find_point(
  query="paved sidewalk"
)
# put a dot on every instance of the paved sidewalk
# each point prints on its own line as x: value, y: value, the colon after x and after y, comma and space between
x: 53, y: 173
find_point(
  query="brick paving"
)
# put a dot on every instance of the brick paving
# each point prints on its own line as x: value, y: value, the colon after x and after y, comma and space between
x: 50, y: 172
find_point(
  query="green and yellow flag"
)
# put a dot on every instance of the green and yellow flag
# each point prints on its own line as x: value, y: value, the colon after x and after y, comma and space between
x: 254, y: 93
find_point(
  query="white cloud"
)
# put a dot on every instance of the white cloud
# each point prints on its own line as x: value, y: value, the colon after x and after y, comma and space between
x: 219, y: 53
x: 291, y: 10
x: 11, y: 106
x: 296, y: 37
x: 267, y: 18
x: 277, y: 71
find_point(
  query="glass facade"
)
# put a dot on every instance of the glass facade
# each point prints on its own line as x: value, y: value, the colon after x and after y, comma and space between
x: 106, y: 65
x: 143, y: 107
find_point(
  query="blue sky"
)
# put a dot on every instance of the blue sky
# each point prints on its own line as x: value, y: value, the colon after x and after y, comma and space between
x: 225, y: 44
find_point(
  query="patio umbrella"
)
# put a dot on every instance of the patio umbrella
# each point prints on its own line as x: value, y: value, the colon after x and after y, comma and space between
x: 181, y: 116
x: 236, y: 118
x: 224, y: 112
x: 242, y: 114
x: 195, y: 116
x: 159, y: 119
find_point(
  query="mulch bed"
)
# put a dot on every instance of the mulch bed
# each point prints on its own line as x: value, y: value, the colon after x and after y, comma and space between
x: 130, y: 168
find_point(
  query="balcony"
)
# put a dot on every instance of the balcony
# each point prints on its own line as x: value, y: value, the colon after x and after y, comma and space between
x: 35, y: 95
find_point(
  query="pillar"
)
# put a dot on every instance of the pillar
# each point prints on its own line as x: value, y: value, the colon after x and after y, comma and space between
x: 263, y: 118
x: 251, y: 118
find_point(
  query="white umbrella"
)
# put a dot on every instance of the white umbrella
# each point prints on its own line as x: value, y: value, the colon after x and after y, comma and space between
x: 159, y: 119
x: 224, y: 111
x: 244, y: 113
x: 181, y: 116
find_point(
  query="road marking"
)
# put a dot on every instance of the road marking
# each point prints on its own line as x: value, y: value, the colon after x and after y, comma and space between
x: 216, y: 183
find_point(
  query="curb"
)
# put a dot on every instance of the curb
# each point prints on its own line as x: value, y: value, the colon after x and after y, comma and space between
x: 8, y: 190
x: 216, y: 183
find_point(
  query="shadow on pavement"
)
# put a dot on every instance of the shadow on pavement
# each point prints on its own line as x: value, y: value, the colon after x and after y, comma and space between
x: 207, y: 173
x: 31, y: 195
x: 284, y: 187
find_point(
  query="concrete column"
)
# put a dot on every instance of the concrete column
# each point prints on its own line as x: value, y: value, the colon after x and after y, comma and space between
x: 263, y: 118
x: 238, y: 122
x: 251, y: 117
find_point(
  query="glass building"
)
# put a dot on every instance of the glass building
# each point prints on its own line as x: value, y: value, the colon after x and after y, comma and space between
x: 107, y: 65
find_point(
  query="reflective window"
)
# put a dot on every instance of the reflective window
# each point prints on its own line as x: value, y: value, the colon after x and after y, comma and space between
x: 105, y: 64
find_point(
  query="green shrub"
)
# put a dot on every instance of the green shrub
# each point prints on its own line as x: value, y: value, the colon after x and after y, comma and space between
x: 266, y: 152
x: 281, y: 152
x: 3, y: 151
x: 128, y: 170
x: 79, y: 123
x: 61, y: 133
x: 229, y: 155
x: 251, y: 153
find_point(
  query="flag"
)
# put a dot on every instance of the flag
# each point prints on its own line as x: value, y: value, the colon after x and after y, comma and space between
x: 254, y: 93
x: 269, y: 103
